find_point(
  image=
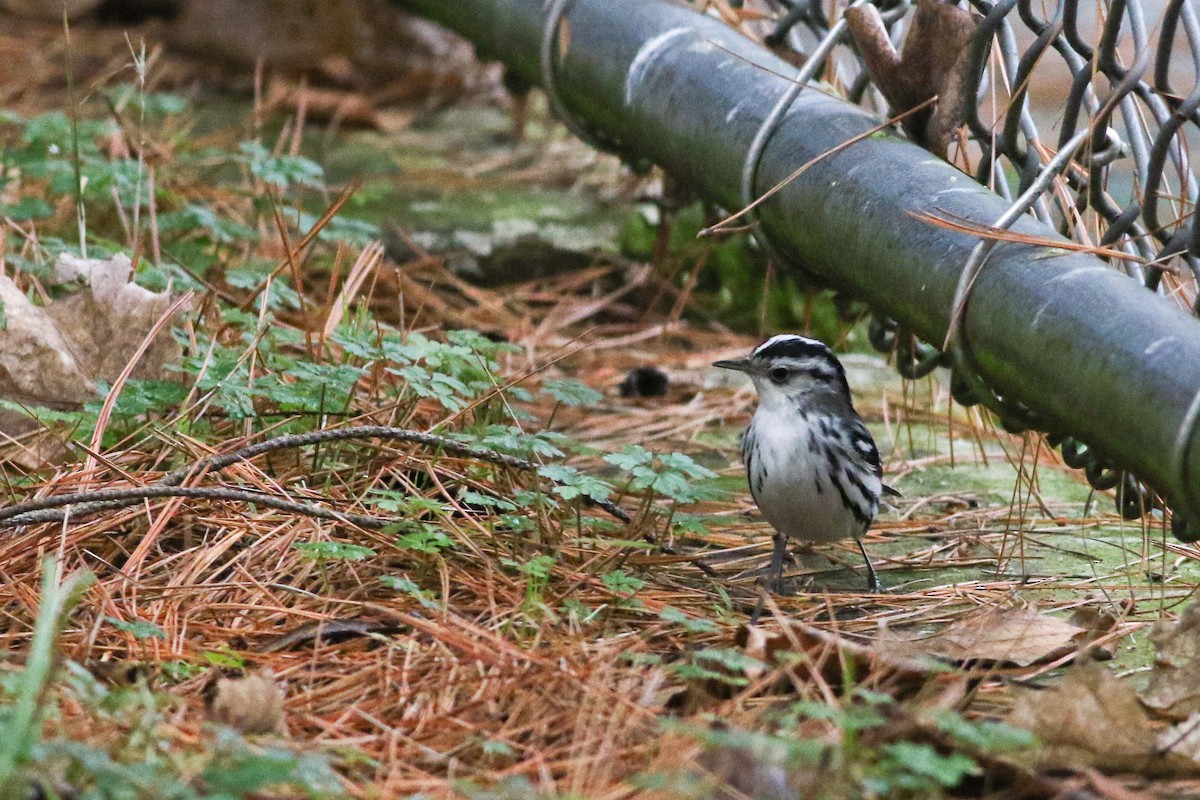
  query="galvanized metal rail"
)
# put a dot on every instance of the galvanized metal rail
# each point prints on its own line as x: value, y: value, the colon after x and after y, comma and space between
x: 1082, y: 348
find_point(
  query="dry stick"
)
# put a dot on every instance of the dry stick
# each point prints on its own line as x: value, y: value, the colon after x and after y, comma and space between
x: 104, y: 499
x: 169, y: 484
x: 796, y: 173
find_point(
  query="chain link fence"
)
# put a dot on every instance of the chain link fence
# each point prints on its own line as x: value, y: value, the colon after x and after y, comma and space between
x: 1110, y: 88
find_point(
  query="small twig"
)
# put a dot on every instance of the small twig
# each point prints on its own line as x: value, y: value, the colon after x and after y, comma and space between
x: 103, y: 499
x: 452, y: 446
x: 28, y: 512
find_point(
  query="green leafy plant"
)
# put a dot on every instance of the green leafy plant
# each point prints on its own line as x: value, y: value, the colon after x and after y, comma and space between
x: 537, y: 572
x: 571, y: 484
x: 22, y: 717
x: 408, y: 586
x: 572, y: 393
x: 917, y: 769
x: 138, y: 628
x: 422, y: 537
x: 672, y: 475
x: 281, y: 171
x: 225, y: 658
x: 334, y: 551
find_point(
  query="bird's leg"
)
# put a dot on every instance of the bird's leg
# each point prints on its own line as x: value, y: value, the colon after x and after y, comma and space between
x: 776, y: 573
x: 873, y: 584
x: 758, y: 609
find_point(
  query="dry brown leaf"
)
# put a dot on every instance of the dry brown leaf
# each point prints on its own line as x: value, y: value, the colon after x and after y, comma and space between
x: 1174, y: 688
x: 1094, y: 621
x: 746, y: 772
x: 1020, y: 636
x: 36, y: 360
x: 54, y: 355
x: 1095, y: 720
x: 1182, y: 740
x: 934, y: 61
x: 1092, y: 718
x: 107, y: 321
x: 252, y: 704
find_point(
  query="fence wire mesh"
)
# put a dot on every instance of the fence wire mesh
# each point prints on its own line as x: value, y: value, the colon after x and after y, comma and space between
x: 1112, y: 85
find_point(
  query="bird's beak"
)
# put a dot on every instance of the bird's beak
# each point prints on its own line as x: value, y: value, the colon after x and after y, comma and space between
x: 739, y: 365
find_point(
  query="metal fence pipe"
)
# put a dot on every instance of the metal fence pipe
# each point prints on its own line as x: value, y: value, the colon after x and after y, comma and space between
x: 1090, y: 352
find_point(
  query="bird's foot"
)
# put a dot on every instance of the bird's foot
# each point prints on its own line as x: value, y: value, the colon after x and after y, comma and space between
x: 873, y: 584
x: 777, y: 584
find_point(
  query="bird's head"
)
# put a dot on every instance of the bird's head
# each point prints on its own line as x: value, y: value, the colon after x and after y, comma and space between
x: 791, y: 368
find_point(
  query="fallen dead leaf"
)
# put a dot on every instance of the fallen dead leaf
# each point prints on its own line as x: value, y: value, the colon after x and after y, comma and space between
x: 1174, y: 687
x: 106, y: 322
x: 55, y: 355
x: 1094, y: 719
x: 1021, y: 636
x: 1096, y: 623
x: 1182, y: 740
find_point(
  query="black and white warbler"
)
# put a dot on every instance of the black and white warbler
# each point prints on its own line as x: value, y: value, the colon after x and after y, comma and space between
x: 813, y: 468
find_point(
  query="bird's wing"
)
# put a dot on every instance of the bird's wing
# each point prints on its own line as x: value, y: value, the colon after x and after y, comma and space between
x: 863, y: 446
x: 865, y: 449
x: 867, y: 453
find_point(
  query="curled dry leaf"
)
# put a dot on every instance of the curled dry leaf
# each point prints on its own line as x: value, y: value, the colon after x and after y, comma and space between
x: 54, y: 355
x: 107, y: 321
x: 1095, y: 623
x: 748, y: 772
x: 935, y: 60
x: 1093, y: 719
x: 251, y: 704
x: 1182, y: 741
x: 1018, y: 636
x: 1174, y: 688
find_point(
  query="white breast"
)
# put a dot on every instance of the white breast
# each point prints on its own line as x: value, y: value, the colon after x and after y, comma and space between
x: 790, y: 479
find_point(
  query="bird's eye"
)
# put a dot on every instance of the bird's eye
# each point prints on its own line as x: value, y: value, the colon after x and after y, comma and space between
x: 779, y: 374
